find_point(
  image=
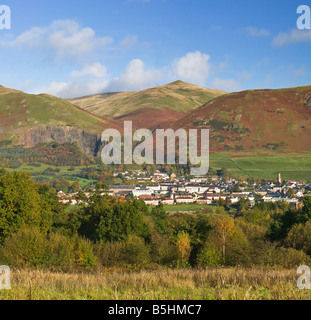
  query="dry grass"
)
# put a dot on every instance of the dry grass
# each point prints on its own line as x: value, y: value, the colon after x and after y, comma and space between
x: 211, y: 284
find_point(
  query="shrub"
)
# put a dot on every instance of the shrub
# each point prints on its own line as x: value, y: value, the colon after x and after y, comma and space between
x: 162, y: 250
x: 238, y: 249
x: 209, y: 256
x: 85, y: 256
x: 27, y: 247
x: 60, y: 251
x: 299, y: 238
x: 135, y: 251
x: 291, y: 258
x: 110, y: 253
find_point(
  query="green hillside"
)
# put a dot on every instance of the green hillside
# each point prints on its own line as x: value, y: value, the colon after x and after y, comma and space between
x: 177, y: 96
x: 21, y: 111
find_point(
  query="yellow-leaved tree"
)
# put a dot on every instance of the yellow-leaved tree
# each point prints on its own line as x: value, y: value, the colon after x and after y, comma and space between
x: 183, y: 248
x: 224, y: 228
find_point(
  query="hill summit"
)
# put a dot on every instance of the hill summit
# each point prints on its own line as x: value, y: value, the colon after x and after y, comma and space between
x: 149, y: 107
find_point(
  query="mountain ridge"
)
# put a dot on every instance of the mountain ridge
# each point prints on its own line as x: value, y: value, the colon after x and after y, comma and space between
x: 247, y: 122
x: 173, y: 100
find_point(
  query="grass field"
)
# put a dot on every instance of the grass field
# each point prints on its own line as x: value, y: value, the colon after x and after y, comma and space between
x: 64, y: 173
x: 291, y: 168
x: 265, y: 167
x: 210, y: 284
x: 187, y: 207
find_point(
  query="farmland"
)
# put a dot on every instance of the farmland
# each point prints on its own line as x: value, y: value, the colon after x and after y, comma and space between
x: 264, y: 167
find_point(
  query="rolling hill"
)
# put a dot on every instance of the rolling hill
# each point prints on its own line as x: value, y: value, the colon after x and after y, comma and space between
x: 253, y: 133
x: 256, y: 121
x: 151, y: 107
x: 31, y: 119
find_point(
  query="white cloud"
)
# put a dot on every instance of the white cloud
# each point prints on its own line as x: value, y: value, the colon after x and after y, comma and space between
x: 90, y: 80
x: 137, y: 77
x: 256, y: 32
x: 129, y: 41
x: 292, y: 37
x: 96, y: 69
x: 72, y: 89
x: 194, y: 67
x: 229, y: 85
x: 63, y: 37
x: 93, y: 78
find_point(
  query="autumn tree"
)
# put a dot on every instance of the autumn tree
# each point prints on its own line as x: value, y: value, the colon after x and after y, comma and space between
x: 183, y: 248
x: 224, y: 227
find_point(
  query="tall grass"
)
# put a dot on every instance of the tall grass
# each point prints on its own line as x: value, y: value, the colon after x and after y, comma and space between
x: 208, y: 284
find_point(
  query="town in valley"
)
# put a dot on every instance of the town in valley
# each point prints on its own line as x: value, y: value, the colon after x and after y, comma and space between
x: 171, y: 190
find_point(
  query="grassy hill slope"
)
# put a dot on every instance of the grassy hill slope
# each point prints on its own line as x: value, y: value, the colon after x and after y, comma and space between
x: 21, y: 112
x: 142, y: 107
x: 256, y: 122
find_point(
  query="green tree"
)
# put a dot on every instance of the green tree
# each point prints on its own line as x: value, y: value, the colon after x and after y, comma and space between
x: 305, y: 214
x: 209, y: 256
x: 135, y: 251
x: 299, y: 238
x: 283, y: 223
x: 160, y: 218
x: 106, y: 219
x: 163, y: 250
x: 242, y: 204
x: 75, y: 187
x: 291, y: 192
x: 22, y: 205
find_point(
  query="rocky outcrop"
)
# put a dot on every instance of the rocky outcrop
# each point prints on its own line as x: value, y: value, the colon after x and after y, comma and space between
x: 307, y: 102
x: 89, y: 142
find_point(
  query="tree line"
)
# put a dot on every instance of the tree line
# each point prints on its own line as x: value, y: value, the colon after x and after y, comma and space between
x: 36, y: 230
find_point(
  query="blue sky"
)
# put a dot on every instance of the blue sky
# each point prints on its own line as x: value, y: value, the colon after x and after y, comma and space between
x: 74, y: 48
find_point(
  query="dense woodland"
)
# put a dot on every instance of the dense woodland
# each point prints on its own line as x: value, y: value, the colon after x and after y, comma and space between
x: 37, y: 231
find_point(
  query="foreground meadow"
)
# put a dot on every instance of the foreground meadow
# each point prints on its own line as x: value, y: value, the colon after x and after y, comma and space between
x: 209, y: 284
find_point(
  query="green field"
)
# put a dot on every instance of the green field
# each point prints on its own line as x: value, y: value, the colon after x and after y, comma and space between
x: 65, y: 172
x: 187, y: 207
x: 267, y: 167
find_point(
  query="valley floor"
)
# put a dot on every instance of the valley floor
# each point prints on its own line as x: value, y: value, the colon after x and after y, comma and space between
x: 209, y: 284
